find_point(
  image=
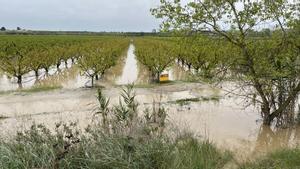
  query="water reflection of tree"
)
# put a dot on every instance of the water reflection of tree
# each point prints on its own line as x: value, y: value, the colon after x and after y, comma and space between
x: 269, y: 139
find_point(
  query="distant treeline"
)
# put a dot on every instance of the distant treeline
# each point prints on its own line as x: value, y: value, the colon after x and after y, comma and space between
x: 29, y: 32
x: 261, y: 33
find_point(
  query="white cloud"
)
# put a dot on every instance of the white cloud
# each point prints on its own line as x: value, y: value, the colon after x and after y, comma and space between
x: 93, y: 15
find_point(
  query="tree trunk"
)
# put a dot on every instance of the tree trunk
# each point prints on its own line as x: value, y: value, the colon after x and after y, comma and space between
x: 47, y: 71
x: 66, y: 63
x: 157, y: 77
x: 92, y: 81
x: 290, y: 99
x: 189, y: 67
x: 267, y: 120
x: 36, y: 72
x: 19, y: 77
x: 57, y: 66
x: 266, y: 114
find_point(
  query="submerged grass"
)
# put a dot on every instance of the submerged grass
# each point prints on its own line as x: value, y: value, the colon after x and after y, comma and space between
x: 3, y: 117
x: 153, y: 85
x: 200, y: 99
x: 282, y: 159
x: 32, y: 90
x: 41, y: 89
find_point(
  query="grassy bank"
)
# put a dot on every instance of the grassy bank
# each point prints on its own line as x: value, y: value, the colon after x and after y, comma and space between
x: 282, y: 159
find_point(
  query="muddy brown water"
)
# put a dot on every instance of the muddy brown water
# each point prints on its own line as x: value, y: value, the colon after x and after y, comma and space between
x: 130, y: 70
x: 224, y: 121
x: 69, y: 76
x: 29, y: 80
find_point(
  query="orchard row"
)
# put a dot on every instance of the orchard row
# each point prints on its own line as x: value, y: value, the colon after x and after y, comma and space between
x: 206, y: 56
x: 94, y: 55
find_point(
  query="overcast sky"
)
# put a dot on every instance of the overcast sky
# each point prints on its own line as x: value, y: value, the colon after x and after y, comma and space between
x: 80, y: 15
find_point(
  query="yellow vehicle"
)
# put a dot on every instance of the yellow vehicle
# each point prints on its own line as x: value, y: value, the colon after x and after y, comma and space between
x: 164, y: 78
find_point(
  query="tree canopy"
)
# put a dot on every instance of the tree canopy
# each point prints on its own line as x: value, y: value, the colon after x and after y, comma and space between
x: 269, y: 65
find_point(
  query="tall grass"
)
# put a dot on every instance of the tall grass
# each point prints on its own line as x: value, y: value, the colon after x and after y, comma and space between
x: 121, y: 140
x: 37, y: 148
x: 282, y: 159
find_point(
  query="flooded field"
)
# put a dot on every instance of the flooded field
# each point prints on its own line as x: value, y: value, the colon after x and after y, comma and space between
x: 67, y: 76
x: 130, y: 70
x: 206, y: 110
